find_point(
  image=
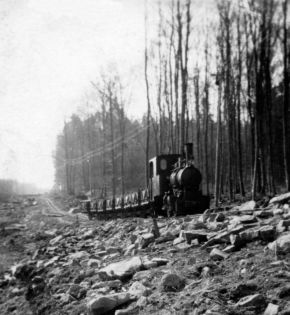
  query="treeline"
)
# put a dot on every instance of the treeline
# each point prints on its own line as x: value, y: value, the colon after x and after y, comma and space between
x: 9, y: 187
x: 222, y: 86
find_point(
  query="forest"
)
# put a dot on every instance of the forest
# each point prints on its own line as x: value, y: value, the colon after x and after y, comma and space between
x: 222, y: 85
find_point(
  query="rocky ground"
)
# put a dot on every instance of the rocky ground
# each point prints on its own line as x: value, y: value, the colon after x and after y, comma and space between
x: 220, y: 262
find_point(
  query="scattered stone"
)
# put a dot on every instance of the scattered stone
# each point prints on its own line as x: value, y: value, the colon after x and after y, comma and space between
x: 113, y: 284
x: 280, y: 228
x: 282, y: 244
x: 102, y: 304
x: 183, y: 246
x: 172, y: 282
x: 272, y: 309
x: 264, y: 214
x: 256, y: 300
x: 79, y: 255
x: 248, y: 219
x: 236, y: 241
x: 284, y: 292
x: 23, y: 271
x: 121, y: 270
x: 249, y: 235
x: 56, y: 240
x: 283, y: 225
x: 191, y: 235
x: 160, y: 261
x: 89, y: 234
x: 52, y: 232
x: 142, y: 301
x: 16, y: 292
x: 267, y: 233
x: 243, y: 289
x: 127, y: 311
x: 247, y: 206
x: 217, y: 254
x: 222, y: 237
x: 77, y: 291
x: 113, y: 250
x: 220, y: 217
x: 93, y: 263
x: 178, y: 240
x: 165, y: 238
x: 137, y: 289
x: 146, y: 239
x: 281, y: 198
x: 278, y: 211
x: 130, y: 249
x: 148, y: 264
x: 229, y: 249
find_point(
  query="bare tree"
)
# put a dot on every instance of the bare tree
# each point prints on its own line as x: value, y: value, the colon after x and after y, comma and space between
x: 147, y: 96
x: 286, y: 56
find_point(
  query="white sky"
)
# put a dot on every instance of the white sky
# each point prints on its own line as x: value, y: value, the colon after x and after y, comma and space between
x: 50, y: 52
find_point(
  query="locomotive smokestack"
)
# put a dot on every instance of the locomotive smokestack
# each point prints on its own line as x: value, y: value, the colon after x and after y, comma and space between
x: 188, y: 149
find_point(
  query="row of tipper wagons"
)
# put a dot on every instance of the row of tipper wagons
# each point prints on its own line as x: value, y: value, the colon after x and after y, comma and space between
x: 137, y: 202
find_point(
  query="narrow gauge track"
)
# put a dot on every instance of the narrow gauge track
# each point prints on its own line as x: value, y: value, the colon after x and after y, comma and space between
x: 54, y: 211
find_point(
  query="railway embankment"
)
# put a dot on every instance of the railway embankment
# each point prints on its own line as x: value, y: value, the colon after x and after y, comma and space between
x: 220, y: 262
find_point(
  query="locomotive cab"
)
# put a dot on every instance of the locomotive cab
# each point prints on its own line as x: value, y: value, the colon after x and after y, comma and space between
x: 160, y: 168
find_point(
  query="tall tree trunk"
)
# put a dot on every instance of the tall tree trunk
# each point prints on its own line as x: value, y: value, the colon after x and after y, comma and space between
x: 197, y: 115
x: 183, y: 58
x: 67, y: 172
x: 206, y: 117
x: 286, y: 98
x: 239, y: 88
x: 148, y: 99
x: 112, y: 146
x: 218, y: 142
x: 104, y: 166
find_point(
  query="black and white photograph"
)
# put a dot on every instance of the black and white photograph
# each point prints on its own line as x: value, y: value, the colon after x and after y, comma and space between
x: 144, y: 157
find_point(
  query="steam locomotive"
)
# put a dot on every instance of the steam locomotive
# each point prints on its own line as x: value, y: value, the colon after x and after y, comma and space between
x: 174, y: 189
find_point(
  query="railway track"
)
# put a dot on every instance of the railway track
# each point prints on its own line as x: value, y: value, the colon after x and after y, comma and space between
x: 54, y: 211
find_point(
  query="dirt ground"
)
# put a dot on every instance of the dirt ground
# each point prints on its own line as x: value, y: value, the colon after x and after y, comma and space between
x: 59, y: 263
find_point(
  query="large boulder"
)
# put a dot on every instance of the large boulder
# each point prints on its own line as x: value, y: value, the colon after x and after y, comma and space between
x: 101, y: 304
x: 272, y: 309
x: 281, y: 198
x: 247, y: 206
x: 138, y: 289
x: 217, y: 254
x: 172, y: 282
x: 255, y: 300
x: 77, y: 291
x: 267, y: 233
x: 191, y: 235
x: 146, y: 239
x: 282, y: 244
x: 249, y: 235
x: 23, y: 271
x: 122, y: 269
